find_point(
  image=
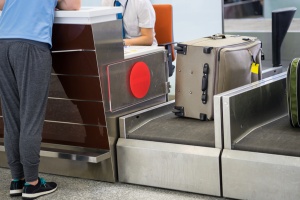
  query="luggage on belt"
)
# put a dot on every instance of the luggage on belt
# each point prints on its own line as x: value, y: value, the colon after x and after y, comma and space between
x: 212, y: 65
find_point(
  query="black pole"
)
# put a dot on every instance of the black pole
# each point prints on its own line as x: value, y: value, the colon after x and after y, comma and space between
x: 281, y: 21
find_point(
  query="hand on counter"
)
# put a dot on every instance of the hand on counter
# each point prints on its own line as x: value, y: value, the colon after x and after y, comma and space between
x: 68, y: 4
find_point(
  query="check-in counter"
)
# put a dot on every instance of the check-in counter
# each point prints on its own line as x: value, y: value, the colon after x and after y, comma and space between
x: 94, y: 81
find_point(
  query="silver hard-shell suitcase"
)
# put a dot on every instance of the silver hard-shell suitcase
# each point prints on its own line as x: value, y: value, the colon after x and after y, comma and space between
x: 212, y: 65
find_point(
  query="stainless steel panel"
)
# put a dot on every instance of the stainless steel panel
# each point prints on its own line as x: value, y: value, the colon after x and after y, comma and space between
x: 218, y: 118
x: 271, y: 71
x: 135, y: 120
x: 218, y: 107
x: 108, y: 42
x: 113, y: 118
x: 112, y: 121
x: 246, y: 110
x: 172, y: 166
x: 248, y: 175
x: 119, y: 86
x: 74, y: 153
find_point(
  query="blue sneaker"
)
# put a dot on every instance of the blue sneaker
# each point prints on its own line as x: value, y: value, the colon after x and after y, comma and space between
x: 40, y: 189
x: 16, y: 187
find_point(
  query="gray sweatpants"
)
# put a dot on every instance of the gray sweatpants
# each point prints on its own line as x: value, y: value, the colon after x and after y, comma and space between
x: 25, y: 70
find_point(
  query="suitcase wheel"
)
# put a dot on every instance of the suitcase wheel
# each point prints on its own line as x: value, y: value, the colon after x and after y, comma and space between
x: 178, y: 111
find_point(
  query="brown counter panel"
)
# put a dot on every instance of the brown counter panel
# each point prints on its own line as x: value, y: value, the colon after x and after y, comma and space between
x: 80, y: 112
x: 76, y: 135
x: 75, y: 87
x: 75, y: 63
x: 72, y: 36
x: 72, y: 134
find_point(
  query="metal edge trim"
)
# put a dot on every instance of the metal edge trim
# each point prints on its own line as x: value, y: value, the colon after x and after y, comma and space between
x: 68, y: 153
x: 218, y: 121
x: 226, y: 123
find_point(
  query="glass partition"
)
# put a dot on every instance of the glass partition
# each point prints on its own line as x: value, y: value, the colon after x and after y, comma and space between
x: 243, y: 9
x: 254, y: 18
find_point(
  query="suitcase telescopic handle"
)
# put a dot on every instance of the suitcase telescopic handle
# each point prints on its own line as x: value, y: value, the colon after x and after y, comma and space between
x: 218, y: 36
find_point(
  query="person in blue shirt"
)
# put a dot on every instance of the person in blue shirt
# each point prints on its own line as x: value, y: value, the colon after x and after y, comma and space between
x: 25, y: 69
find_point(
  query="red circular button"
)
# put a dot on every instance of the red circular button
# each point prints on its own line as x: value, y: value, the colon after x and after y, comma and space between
x: 139, y: 79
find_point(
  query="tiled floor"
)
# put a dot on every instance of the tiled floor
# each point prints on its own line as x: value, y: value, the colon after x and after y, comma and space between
x: 78, y: 189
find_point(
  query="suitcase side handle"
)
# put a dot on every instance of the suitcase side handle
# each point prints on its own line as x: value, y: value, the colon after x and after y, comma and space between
x: 205, y: 83
x: 181, y: 48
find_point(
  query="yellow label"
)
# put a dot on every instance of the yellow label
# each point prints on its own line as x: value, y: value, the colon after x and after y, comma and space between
x: 255, y: 68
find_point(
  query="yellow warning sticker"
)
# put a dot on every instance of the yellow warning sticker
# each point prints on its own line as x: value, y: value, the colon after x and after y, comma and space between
x: 255, y: 68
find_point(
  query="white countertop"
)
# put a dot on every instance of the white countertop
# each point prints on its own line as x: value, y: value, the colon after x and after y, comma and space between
x: 86, y: 15
x: 134, y: 51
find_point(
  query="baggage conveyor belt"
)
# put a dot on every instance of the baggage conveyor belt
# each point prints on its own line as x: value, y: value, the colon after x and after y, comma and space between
x: 172, y: 129
x: 158, y: 149
x: 277, y: 137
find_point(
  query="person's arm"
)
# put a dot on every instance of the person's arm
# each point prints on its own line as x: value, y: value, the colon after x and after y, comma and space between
x: 69, y: 4
x: 2, y: 4
x: 146, y: 22
x: 146, y: 38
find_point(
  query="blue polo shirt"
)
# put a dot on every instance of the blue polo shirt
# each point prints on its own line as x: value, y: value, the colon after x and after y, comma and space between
x: 28, y: 19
